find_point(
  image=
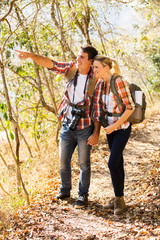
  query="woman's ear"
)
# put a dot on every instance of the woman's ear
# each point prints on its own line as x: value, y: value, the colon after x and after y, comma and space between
x: 107, y: 68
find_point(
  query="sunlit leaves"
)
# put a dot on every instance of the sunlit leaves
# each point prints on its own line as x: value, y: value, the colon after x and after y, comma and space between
x: 8, y: 54
x: 11, y: 45
x: 3, y: 107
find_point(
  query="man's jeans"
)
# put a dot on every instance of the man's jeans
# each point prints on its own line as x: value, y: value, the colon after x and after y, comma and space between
x: 68, y: 142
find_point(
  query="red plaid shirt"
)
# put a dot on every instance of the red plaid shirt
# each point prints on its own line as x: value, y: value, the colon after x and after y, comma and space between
x: 112, y: 105
x: 64, y: 68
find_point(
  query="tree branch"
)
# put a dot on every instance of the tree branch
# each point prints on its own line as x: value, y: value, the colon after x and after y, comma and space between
x: 10, y: 9
x: 4, y: 190
x: 3, y: 160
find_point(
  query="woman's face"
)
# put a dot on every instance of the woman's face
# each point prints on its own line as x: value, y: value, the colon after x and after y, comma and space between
x: 98, y: 69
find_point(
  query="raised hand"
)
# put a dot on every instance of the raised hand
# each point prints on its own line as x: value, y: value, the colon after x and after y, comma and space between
x: 23, y: 55
x: 41, y: 60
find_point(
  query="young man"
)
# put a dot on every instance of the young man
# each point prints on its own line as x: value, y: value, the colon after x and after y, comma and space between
x: 74, y: 110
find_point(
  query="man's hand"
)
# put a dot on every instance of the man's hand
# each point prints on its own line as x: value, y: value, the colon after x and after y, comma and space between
x: 93, y: 140
x: 23, y: 55
x: 41, y: 60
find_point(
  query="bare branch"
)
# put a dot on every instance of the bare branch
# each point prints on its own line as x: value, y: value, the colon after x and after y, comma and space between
x: 9, y: 11
x: 82, y: 25
x: 4, y: 189
x: 3, y: 160
x: 34, y: 127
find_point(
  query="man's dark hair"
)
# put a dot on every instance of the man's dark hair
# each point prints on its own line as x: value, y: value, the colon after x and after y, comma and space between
x: 92, y: 52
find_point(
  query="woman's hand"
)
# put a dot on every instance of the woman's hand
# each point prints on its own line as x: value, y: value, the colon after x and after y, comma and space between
x: 109, y: 129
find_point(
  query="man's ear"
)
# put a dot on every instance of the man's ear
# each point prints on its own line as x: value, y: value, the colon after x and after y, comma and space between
x: 91, y: 61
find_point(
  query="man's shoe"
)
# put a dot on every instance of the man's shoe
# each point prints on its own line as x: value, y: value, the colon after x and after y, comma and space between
x: 62, y: 196
x: 119, y: 205
x: 81, y: 202
x: 110, y: 204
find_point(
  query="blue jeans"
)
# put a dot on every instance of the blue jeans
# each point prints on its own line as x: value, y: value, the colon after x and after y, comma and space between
x: 68, y: 142
x: 117, y: 141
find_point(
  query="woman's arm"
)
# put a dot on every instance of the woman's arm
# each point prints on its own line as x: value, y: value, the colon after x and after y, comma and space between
x: 119, y: 122
x: 124, y: 92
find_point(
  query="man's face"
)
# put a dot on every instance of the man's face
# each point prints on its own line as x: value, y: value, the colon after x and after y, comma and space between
x: 83, y: 64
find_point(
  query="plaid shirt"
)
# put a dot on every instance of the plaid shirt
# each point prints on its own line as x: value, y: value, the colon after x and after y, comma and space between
x: 112, y: 105
x: 64, y: 68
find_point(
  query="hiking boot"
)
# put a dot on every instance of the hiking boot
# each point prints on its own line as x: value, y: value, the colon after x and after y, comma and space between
x: 82, y: 201
x: 110, y: 204
x: 62, y: 196
x: 119, y: 205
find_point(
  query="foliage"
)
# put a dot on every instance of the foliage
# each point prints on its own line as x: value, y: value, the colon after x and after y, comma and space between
x: 150, y: 43
x: 30, y: 94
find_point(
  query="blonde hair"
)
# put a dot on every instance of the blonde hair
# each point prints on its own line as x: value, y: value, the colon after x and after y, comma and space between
x: 113, y: 65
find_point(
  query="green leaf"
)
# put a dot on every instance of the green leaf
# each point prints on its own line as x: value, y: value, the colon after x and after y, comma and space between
x: 5, y: 115
x: 8, y: 54
x: 3, y: 107
x: 11, y: 136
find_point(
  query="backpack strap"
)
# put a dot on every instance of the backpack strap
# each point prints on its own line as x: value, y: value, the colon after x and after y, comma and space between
x: 71, y: 73
x: 114, y: 114
x: 114, y: 90
x: 91, y: 88
x: 76, y: 106
x: 92, y: 81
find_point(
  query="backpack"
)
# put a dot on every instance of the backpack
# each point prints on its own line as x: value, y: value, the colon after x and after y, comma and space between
x: 139, y: 113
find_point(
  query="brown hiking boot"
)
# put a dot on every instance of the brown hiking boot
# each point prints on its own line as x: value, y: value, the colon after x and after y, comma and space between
x: 119, y: 205
x: 82, y: 201
x: 110, y: 204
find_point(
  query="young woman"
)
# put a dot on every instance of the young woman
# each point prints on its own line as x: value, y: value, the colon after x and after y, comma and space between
x: 117, y: 129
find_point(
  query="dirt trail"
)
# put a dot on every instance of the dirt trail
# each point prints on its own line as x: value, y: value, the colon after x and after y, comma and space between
x: 49, y: 219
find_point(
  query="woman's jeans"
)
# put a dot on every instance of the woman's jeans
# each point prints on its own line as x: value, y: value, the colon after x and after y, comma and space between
x: 117, y: 142
x: 68, y: 142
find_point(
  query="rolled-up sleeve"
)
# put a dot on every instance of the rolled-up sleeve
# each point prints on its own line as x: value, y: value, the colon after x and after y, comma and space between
x: 125, y: 94
x: 62, y: 67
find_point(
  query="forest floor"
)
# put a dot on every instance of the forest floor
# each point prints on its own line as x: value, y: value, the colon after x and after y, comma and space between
x: 47, y: 218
